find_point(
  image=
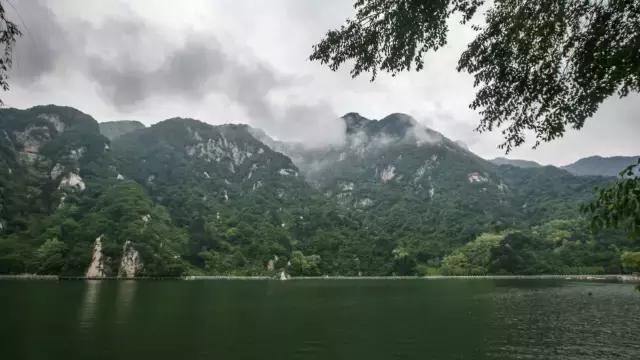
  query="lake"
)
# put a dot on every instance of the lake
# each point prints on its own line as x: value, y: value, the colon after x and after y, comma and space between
x: 319, y: 319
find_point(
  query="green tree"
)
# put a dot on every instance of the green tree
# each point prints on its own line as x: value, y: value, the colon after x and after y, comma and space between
x: 618, y: 205
x: 9, y: 33
x: 302, y: 265
x: 630, y: 261
x: 50, y: 256
x: 474, y: 257
x: 403, y: 262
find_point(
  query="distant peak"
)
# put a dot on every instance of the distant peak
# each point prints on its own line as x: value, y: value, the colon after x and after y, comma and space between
x: 515, y: 162
x: 123, y: 122
x: 401, y: 117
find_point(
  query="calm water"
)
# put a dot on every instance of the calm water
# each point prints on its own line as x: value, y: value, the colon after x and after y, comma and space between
x: 321, y: 319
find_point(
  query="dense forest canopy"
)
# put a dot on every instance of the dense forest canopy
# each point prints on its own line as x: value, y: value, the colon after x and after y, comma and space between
x: 184, y: 197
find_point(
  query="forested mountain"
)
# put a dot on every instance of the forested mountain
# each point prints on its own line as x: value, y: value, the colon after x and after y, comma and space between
x: 185, y: 197
x: 113, y: 129
x: 515, y: 162
x: 602, y: 166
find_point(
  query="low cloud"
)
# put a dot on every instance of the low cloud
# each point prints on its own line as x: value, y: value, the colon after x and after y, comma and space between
x: 131, y: 64
x: 238, y: 61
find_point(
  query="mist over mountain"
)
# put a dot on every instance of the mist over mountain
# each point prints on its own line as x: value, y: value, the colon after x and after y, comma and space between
x: 185, y: 197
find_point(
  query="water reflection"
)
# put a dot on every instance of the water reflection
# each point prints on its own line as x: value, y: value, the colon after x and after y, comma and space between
x: 308, y: 320
x: 125, y: 297
x: 89, y: 303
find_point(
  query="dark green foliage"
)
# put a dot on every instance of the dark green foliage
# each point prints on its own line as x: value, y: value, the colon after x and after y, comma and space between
x: 50, y: 257
x: 190, y: 198
x: 431, y: 207
x: 32, y: 143
x: 618, y: 205
x: 9, y: 33
x: 390, y: 35
x: 302, y: 265
x: 631, y: 261
x: 547, y: 65
x: 114, y: 129
x: 542, y: 66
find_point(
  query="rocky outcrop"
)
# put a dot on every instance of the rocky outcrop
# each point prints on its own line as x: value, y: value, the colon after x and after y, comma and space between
x: 388, y: 173
x: 96, y: 268
x: 72, y: 181
x: 283, y: 275
x: 131, y: 263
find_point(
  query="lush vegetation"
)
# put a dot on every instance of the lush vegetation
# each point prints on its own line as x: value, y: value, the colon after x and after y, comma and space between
x: 541, y: 66
x: 618, y: 205
x: 191, y: 198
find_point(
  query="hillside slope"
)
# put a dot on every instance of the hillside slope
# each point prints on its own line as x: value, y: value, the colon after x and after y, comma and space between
x: 113, y: 129
x: 186, y: 197
x: 601, y: 166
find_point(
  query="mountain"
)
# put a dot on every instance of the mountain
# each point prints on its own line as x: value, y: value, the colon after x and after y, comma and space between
x: 427, y: 193
x: 113, y: 129
x: 65, y: 209
x: 515, y: 162
x: 47, y: 154
x: 601, y: 166
x: 186, y: 197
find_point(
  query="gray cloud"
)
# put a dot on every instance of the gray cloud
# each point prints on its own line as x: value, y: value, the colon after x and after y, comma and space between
x: 188, y: 71
x: 43, y: 44
x: 232, y: 61
x: 112, y: 55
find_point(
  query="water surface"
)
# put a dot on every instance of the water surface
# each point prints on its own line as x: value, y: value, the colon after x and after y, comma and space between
x: 319, y: 319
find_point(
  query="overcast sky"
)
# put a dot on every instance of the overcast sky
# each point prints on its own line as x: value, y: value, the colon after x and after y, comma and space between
x: 246, y: 61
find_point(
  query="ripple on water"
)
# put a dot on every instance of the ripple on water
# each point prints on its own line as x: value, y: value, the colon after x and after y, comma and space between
x: 567, y: 322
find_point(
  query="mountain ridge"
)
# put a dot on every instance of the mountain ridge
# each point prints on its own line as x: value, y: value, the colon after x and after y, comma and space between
x: 601, y: 166
x: 186, y: 197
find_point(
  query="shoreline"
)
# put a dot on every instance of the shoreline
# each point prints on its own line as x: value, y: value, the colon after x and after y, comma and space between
x: 611, y: 277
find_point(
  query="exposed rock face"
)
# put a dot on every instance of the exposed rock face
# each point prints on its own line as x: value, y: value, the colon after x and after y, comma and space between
x: 218, y: 149
x: 388, y: 173
x: 346, y: 186
x: 72, y: 181
x: 131, y: 262
x: 288, y: 172
x: 96, y: 268
x: 364, y: 203
x: 476, y: 177
x: 271, y: 264
x: 54, y: 119
x: 56, y: 171
x: 76, y: 154
x: 32, y: 138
